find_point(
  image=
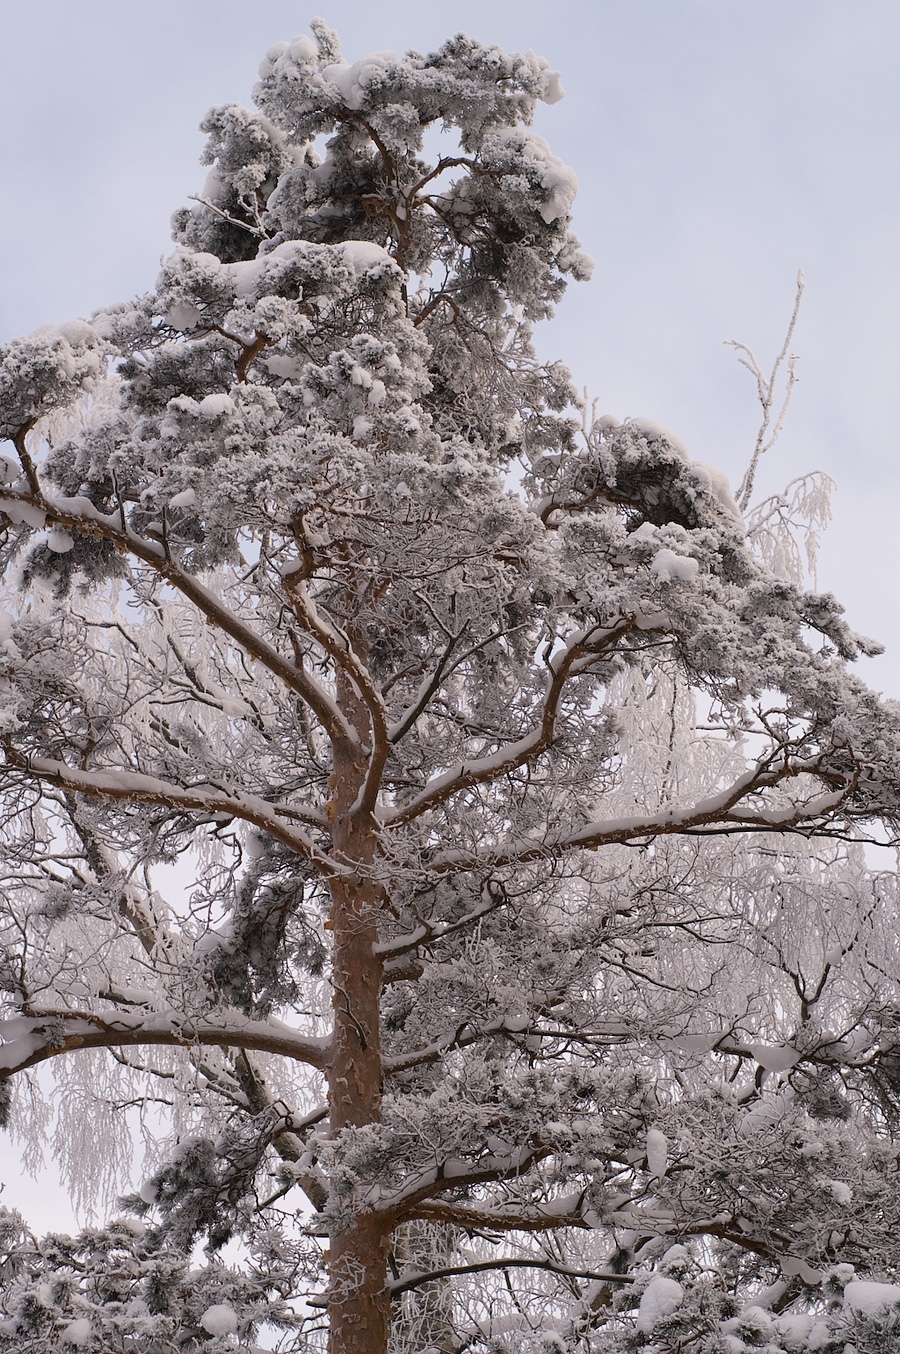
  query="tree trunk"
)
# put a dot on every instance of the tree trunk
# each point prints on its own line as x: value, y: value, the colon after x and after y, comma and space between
x: 425, y: 1318
x: 359, y: 1306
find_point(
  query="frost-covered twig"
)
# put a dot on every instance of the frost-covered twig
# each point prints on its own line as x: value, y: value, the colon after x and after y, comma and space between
x: 766, y: 390
x: 226, y: 216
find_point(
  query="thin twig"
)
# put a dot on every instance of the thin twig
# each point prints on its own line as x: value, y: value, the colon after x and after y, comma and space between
x: 226, y: 216
x: 765, y: 387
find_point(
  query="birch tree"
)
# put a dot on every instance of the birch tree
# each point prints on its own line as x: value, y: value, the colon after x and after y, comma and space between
x: 428, y: 811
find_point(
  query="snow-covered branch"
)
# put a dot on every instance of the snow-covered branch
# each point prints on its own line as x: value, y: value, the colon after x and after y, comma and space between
x: 454, y: 1174
x: 34, y: 1038
x: 590, y: 645
x: 718, y: 812
x: 560, y: 1213
x: 415, y: 1279
x: 133, y: 788
x: 80, y: 515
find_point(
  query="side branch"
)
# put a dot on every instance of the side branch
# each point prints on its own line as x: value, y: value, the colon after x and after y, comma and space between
x: 416, y: 1279
x: 462, y: 1037
x: 455, y: 1174
x: 429, y: 685
x: 340, y: 649
x: 487, y: 1218
x: 719, y: 812
x: 582, y: 650
x: 80, y: 515
x: 32, y: 1039
x: 427, y: 933
x: 134, y: 788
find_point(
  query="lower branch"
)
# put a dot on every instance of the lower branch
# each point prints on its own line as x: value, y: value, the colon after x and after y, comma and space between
x: 417, y: 1279
x: 720, y: 812
x: 39, y: 1036
x: 493, y: 1219
x: 133, y: 788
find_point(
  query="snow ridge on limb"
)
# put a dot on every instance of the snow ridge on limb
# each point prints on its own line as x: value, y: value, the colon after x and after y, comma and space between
x: 481, y: 858
x: 206, y: 799
x: 27, y: 1040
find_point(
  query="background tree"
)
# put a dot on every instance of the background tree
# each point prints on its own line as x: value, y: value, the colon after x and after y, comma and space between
x: 522, y: 975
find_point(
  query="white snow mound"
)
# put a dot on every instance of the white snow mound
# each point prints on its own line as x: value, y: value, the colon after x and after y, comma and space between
x: 862, y: 1295
x: 658, y: 432
x: 658, y: 1300
x: 220, y: 1319
x: 657, y: 1152
x: 78, y: 1333
x: 666, y: 566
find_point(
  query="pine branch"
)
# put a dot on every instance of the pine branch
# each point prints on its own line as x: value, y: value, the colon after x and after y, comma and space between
x: 45, y: 1034
x: 594, y: 642
x: 133, y: 788
x: 720, y: 812
x: 80, y: 515
x: 417, y: 1279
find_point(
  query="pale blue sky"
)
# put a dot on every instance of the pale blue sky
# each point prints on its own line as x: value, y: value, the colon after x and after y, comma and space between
x: 719, y: 144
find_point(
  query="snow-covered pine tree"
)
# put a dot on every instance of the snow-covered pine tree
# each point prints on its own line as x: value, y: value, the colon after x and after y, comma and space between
x: 492, y: 1001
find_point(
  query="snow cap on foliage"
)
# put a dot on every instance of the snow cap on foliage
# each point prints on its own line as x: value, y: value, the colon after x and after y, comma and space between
x: 533, y: 157
x: 77, y: 1333
x: 869, y: 1297
x: 220, y: 1319
x: 301, y: 73
x: 657, y: 1152
x: 660, y: 1299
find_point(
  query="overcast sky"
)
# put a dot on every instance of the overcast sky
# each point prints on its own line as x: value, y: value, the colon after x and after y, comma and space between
x: 720, y: 145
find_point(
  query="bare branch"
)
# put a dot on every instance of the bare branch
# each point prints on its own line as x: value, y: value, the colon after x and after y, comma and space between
x: 416, y: 1279
x: 768, y: 434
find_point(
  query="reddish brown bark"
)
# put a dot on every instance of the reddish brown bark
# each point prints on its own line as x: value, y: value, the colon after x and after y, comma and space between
x: 359, y: 1305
